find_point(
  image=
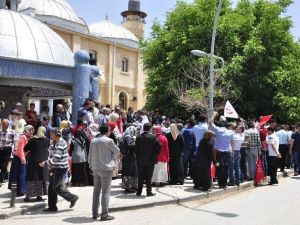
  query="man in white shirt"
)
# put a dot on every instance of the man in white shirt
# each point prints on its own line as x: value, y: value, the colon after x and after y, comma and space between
x: 273, y: 150
x: 284, y: 139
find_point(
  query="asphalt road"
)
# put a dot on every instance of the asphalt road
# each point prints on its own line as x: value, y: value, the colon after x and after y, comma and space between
x: 268, y: 205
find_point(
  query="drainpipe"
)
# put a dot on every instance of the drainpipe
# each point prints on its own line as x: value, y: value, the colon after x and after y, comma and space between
x: 113, y: 75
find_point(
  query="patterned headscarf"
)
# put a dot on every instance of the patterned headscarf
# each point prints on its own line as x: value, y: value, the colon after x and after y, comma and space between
x: 28, y: 128
x: 174, y: 131
x: 131, y: 131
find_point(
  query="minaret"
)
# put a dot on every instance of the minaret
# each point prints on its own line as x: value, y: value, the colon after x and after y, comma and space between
x: 134, y: 18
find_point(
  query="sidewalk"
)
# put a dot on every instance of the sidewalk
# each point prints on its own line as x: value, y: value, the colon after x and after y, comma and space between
x: 169, y: 194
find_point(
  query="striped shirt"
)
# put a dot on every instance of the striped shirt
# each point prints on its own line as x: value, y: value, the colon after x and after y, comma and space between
x: 58, y: 154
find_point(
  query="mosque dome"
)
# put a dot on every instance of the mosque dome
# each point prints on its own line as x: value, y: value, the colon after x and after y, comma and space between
x: 24, y: 38
x: 55, y: 12
x: 107, y: 29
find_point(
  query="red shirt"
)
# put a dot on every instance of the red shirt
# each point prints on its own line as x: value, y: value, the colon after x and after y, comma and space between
x: 263, y: 136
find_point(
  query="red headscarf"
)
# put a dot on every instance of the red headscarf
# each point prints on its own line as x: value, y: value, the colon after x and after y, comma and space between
x: 157, y: 130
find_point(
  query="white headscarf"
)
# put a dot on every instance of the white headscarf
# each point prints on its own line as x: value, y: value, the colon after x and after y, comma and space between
x: 131, y: 131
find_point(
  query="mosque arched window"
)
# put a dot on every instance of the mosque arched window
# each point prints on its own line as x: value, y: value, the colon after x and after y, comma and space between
x: 124, y: 66
x: 123, y: 100
x: 93, y: 57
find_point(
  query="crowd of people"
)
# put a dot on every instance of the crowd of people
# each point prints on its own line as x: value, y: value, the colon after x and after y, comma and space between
x: 44, y: 154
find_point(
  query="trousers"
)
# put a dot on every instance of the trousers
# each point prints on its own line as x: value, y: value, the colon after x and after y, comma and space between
x: 102, y: 182
x: 145, y: 174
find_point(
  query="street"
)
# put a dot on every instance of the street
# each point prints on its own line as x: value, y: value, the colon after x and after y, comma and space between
x: 268, y: 205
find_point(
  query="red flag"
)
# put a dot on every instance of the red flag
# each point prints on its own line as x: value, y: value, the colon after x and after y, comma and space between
x: 264, y: 120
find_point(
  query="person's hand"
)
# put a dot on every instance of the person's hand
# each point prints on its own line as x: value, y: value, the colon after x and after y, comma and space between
x: 217, y: 164
x: 23, y: 162
x: 42, y: 164
x: 279, y: 155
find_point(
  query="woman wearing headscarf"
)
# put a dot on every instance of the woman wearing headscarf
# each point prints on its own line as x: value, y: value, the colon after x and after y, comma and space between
x: 202, y: 163
x: 79, y: 159
x: 36, y: 176
x: 18, y: 167
x: 160, y: 173
x: 129, y: 164
x: 176, y: 147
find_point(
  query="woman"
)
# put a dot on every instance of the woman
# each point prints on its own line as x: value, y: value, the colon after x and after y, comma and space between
x: 160, y: 173
x: 129, y: 164
x: 202, y: 163
x: 79, y: 159
x: 18, y: 167
x: 176, y: 146
x: 36, y: 176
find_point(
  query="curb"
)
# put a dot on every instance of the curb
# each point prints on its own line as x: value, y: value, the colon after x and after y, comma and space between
x: 202, y: 197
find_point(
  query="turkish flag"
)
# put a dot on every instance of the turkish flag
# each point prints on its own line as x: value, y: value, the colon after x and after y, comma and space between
x: 264, y: 120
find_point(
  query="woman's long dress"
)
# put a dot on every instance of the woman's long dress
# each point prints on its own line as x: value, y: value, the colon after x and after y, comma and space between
x: 202, y: 165
x: 129, y: 164
x: 36, y: 176
x: 176, y: 170
x: 79, y: 163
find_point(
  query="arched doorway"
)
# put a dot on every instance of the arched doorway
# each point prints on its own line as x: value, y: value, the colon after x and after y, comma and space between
x: 123, y: 100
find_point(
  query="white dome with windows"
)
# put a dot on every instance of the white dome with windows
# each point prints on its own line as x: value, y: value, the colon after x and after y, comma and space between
x: 24, y: 38
x: 55, y: 12
x: 107, y: 29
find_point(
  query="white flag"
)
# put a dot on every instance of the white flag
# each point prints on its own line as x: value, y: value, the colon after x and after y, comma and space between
x: 229, y: 111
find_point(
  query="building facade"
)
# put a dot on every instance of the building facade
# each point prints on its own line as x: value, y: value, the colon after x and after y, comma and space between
x: 113, y: 48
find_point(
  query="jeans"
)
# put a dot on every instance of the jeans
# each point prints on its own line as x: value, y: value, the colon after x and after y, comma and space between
x: 251, y: 161
x: 296, y: 157
x: 102, y: 181
x: 243, y: 164
x: 56, y: 182
x: 264, y: 159
x: 234, y: 168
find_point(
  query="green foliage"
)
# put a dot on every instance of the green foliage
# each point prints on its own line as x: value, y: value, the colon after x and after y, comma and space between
x: 255, y: 41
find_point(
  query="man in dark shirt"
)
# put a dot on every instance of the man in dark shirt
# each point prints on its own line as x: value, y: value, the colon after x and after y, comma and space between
x: 147, y: 149
x: 295, y: 150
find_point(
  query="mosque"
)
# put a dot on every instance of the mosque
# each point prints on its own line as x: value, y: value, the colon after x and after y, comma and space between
x: 38, y: 39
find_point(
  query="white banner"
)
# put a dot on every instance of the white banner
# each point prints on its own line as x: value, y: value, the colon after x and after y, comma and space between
x: 229, y: 111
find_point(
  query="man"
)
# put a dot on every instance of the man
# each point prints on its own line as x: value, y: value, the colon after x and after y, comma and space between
x: 46, y: 124
x: 2, y: 106
x: 273, y: 150
x: 31, y: 116
x: 102, y: 152
x: 67, y: 111
x: 223, y: 145
x: 8, y: 143
x: 253, y: 148
x: 284, y: 140
x: 59, y: 115
x: 189, y: 147
x: 58, y: 166
x: 147, y: 150
x: 295, y: 149
x: 200, y: 129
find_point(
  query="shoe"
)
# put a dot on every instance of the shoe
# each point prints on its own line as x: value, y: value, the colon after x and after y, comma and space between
x: 74, y: 202
x: 26, y: 199
x: 96, y: 217
x: 150, y: 194
x: 39, y: 199
x: 138, y: 193
x: 20, y: 194
x: 49, y: 210
x: 106, y: 218
x: 231, y: 184
x: 129, y: 191
x: 295, y: 174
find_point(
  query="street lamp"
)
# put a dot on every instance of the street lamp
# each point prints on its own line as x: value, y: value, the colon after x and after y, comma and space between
x: 204, y: 54
x: 212, y: 56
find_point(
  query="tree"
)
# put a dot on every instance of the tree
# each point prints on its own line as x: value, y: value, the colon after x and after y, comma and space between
x: 254, y: 39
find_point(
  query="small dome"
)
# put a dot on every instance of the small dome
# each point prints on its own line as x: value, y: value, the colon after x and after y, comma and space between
x: 107, y: 29
x: 46, y: 10
x: 22, y: 37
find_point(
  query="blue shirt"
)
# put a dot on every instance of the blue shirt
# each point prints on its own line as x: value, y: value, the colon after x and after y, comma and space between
x: 199, y: 131
x: 283, y: 136
x: 223, y: 138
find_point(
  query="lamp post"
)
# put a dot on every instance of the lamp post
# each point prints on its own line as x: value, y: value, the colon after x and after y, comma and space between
x: 212, y: 56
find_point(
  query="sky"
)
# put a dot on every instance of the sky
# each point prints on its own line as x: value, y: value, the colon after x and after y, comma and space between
x: 96, y: 10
